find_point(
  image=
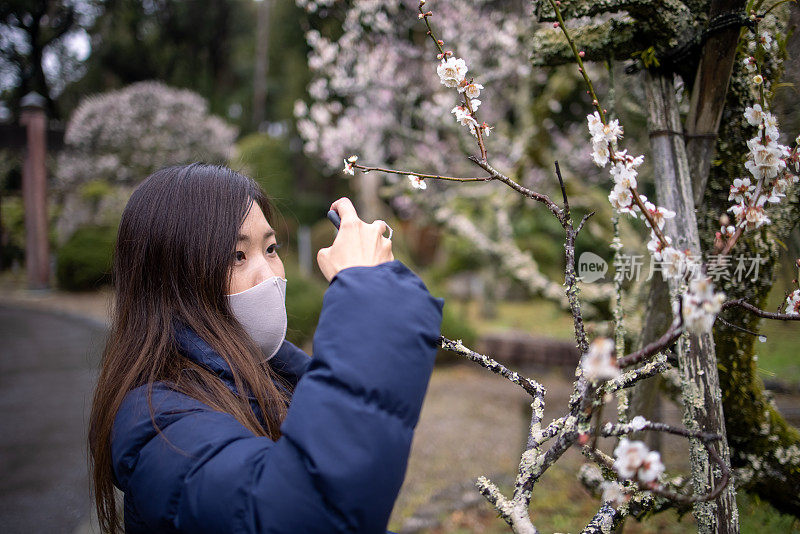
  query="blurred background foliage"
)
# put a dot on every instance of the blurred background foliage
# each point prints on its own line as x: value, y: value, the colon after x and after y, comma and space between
x: 89, y: 48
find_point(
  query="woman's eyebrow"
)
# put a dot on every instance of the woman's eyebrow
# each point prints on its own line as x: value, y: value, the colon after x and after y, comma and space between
x: 246, y: 238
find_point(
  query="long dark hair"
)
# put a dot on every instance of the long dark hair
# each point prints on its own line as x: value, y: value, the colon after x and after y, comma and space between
x: 172, y: 262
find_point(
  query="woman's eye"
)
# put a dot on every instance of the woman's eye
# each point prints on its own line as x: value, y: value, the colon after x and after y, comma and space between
x: 239, y: 255
x: 273, y: 248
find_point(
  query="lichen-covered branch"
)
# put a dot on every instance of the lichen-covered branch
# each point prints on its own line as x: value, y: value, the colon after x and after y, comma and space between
x: 531, y: 386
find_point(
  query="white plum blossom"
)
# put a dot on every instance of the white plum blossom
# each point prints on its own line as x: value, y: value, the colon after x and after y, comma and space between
x: 727, y: 231
x: 472, y: 90
x: 754, y: 115
x: 348, y: 165
x: 758, y: 79
x: 451, y: 71
x: 651, y: 468
x: 793, y: 303
x: 701, y: 305
x: 765, y: 160
x: 595, y: 124
x: 600, y: 154
x: 612, y: 131
x: 780, y: 187
x: 622, y: 199
x: 484, y: 128
x: 599, y: 362
x: 630, y: 161
x: 753, y: 216
x: 602, y: 135
x: 741, y: 189
x: 417, y: 182
x: 634, y: 460
x: 656, y: 246
x: 770, y: 126
x: 658, y: 214
x: 766, y: 40
x: 624, y: 175
x: 609, y: 133
x: 750, y: 64
x: 674, y: 263
x: 464, y: 117
x: 613, y: 493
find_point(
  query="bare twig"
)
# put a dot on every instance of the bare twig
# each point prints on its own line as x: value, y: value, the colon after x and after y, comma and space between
x: 531, y: 386
x: 366, y: 169
x: 539, y: 197
x: 669, y: 337
x: 760, y: 313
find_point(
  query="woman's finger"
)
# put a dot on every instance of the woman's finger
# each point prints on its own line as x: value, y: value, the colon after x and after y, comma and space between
x: 381, y: 225
x: 347, y: 212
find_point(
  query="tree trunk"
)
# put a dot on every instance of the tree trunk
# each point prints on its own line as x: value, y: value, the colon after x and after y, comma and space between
x: 701, y: 390
x: 261, y: 64
x: 765, y: 448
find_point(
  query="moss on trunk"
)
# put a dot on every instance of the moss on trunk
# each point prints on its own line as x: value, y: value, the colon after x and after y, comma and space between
x: 765, y: 448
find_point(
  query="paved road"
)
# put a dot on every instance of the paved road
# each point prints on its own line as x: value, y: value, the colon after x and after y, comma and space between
x: 47, y: 374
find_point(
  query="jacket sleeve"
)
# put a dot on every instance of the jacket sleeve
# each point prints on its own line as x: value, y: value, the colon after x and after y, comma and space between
x: 346, y: 438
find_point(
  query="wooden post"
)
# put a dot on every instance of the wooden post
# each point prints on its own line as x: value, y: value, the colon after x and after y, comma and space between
x: 34, y: 192
x: 698, y: 364
x: 708, y: 95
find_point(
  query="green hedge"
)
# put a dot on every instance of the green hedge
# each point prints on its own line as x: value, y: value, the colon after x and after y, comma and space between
x: 303, y: 304
x: 84, y: 261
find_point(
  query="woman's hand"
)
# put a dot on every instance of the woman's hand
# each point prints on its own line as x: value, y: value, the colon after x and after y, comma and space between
x: 356, y: 244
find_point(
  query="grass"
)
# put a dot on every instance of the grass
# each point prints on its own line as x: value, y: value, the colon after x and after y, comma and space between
x: 777, y: 357
x: 537, y: 317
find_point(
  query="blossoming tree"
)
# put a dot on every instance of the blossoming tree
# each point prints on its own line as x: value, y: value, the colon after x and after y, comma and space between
x: 115, y: 139
x: 633, y: 480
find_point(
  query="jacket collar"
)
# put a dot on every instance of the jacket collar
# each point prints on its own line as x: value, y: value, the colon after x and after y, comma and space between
x: 193, y: 346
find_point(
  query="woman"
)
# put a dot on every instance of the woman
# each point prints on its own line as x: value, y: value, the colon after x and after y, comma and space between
x: 192, y: 417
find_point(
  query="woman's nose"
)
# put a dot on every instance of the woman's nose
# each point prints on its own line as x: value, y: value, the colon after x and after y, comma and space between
x: 264, y: 274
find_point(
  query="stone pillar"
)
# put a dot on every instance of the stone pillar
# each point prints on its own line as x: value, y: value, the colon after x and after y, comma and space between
x: 34, y: 192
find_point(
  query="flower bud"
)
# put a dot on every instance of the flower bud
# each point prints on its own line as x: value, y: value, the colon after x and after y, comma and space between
x: 582, y: 53
x: 724, y: 220
x: 556, y: 25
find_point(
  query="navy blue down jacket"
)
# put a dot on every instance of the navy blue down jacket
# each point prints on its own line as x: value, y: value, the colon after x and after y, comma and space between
x: 345, y: 442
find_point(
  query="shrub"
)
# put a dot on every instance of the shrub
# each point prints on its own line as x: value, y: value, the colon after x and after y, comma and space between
x: 303, y: 304
x: 84, y: 261
x: 271, y: 163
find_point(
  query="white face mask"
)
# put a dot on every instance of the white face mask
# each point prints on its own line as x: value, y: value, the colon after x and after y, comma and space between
x: 262, y: 312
